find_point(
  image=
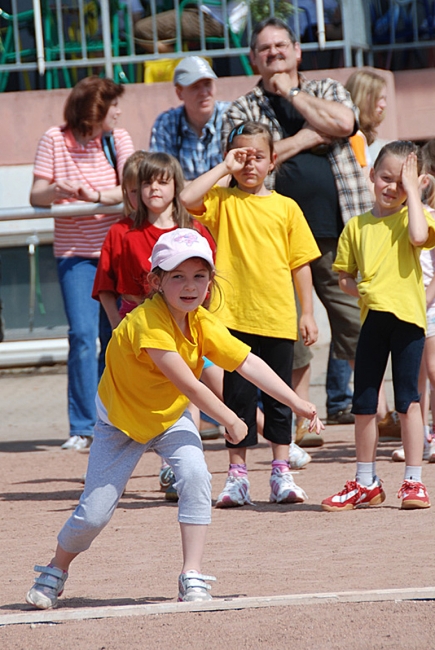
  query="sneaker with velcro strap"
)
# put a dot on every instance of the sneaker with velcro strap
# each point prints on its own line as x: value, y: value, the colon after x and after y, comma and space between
x: 48, y: 587
x: 192, y: 586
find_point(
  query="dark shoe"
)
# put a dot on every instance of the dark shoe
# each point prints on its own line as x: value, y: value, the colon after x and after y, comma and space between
x: 389, y: 428
x: 341, y: 417
x: 171, y: 493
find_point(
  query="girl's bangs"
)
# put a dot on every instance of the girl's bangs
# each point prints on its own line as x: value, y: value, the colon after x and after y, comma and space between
x: 152, y: 171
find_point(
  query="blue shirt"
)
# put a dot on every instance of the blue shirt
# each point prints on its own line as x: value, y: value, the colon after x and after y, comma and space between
x: 172, y: 134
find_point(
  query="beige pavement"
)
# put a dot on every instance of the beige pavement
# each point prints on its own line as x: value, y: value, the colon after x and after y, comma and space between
x: 290, y: 554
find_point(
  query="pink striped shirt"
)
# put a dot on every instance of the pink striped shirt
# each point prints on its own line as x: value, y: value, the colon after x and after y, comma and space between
x: 60, y: 157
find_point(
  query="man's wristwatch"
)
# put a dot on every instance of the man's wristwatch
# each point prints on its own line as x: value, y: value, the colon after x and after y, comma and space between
x: 293, y: 92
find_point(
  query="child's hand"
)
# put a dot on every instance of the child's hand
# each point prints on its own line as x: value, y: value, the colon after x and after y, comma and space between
x: 236, y: 159
x: 410, y: 180
x: 236, y: 432
x: 308, y: 329
x: 309, y: 411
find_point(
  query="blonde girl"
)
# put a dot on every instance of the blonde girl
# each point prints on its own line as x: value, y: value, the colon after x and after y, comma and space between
x: 369, y: 92
x: 378, y: 261
x: 153, y: 365
x: 106, y: 278
x: 159, y: 183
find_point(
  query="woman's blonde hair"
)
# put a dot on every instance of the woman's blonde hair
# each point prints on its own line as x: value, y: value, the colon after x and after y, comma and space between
x: 428, y: 168
x: 365, y: 88
x: 129, y: 178
x: 162, y: 165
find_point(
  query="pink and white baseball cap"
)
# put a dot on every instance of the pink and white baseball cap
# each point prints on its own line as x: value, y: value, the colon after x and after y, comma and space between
x: 177, y: 246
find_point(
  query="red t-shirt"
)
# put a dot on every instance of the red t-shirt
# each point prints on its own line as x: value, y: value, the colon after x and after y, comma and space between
x: 137, y: 247
x: 106, y: 277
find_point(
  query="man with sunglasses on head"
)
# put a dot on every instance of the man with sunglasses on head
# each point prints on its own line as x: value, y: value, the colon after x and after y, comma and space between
x: 192, y: 131
x: 311, y: 122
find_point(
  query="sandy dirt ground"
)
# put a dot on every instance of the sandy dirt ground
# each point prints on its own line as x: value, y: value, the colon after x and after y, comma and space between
x: 261, y: 550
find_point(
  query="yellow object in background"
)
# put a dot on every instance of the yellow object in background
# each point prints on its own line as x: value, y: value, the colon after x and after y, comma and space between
x: 159, y: 70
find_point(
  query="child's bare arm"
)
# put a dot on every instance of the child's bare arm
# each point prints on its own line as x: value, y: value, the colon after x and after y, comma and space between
x: 348, y: 283
x: 138, y: 299
x: 193, y: 194
x: 417, y: 224
x: 108, y: 300
x: 430, y: 292
x: 304, y: 288
x: 260, y: 374
x: 178, y: 372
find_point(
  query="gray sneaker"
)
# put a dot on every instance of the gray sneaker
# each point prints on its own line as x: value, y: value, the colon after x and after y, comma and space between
x: 192, y: 586
x: 47, y: 588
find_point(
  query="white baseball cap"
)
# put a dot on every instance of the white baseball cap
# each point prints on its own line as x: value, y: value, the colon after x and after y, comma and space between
x: 174, y: 247
x: 192, y: 69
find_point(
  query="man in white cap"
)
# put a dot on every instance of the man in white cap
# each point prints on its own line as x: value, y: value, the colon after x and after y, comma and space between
x: 192, y: 132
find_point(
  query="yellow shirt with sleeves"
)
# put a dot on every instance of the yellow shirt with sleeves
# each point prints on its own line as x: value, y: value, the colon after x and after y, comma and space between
x: 259, y: 240
x: 386, y: 266
x: 140, y: 400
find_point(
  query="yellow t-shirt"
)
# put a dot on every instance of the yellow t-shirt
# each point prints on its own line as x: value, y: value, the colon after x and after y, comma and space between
x: 139, y: 399
x: 259, y: 240
x: 378, y: 253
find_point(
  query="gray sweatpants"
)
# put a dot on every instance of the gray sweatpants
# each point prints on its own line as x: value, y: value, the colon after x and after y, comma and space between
x: 112, y: 459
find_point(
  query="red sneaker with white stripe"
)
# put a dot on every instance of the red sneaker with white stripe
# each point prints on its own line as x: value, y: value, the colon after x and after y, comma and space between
x: 354, y: 495
x: 414, y: 495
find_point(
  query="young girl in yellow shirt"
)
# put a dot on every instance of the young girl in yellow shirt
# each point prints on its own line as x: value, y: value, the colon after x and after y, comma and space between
x: 153, y: 364
x: 264, y: 247
x: 378, y: 261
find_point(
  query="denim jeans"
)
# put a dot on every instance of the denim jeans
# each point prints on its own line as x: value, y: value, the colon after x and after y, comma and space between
x: 338, y: 390
x: 76, y: 277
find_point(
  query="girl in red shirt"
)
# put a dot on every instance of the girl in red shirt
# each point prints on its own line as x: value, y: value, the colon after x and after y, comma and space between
x: 108, y: 265
x: 159, y: 183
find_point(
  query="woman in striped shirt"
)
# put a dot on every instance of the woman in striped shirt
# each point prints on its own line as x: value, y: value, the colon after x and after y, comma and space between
x: 71, y: 165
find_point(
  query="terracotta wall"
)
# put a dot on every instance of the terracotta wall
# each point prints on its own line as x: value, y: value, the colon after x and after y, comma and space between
x: 26, y: 115
x: 415, y: 98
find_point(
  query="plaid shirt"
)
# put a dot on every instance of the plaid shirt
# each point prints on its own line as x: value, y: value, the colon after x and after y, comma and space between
x: 353, y: 194
x: 172, y: 134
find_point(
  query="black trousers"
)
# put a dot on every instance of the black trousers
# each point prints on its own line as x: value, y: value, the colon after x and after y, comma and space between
x: 242, y: 397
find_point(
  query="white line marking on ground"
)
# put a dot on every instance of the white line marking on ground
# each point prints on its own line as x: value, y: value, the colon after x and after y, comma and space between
x: 217, y: 604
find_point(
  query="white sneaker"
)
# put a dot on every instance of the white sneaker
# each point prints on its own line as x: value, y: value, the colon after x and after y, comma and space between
x: 283, y: 489
x: 429, y: 450
x: 398, y: 455
x: 192, y: 587
x: 298, y: 458
x: 47, y: 588
x: 235, y: 492
x: 77, y: 442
